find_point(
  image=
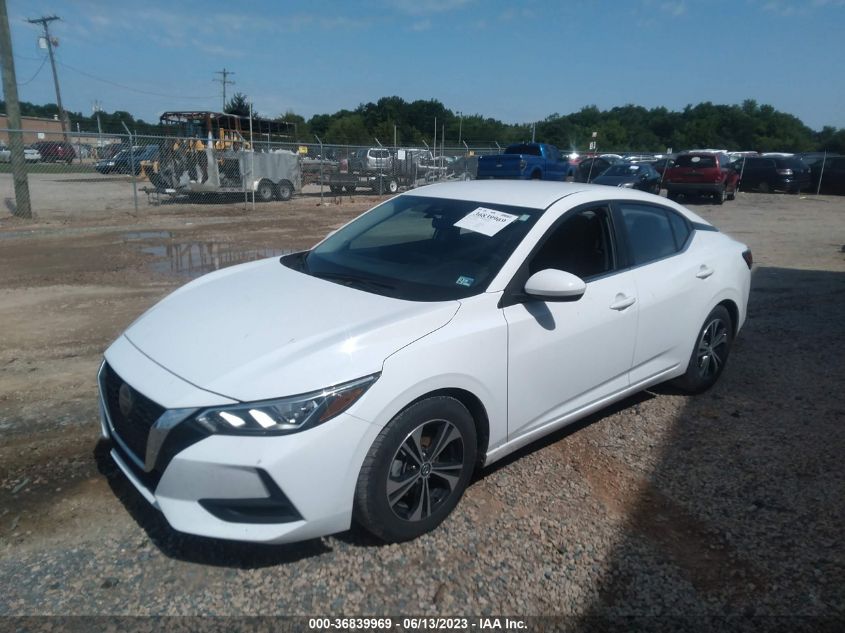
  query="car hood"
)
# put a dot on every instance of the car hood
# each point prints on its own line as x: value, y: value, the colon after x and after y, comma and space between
x: 261, y: 330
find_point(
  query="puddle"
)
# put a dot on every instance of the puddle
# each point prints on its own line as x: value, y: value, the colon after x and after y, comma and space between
x: 195, y: 258
x: 138, y: 236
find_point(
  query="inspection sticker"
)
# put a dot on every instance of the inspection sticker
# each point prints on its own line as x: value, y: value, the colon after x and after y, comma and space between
x: 485, y: 221
x: 463, y: 280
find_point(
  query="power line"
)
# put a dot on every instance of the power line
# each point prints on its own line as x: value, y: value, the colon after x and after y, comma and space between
x: 43, y: 61
x: 130, y: 88
x: 223, y: 80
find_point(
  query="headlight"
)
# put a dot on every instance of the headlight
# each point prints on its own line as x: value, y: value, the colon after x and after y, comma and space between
x: 627, y: 185
x: 285, y: 415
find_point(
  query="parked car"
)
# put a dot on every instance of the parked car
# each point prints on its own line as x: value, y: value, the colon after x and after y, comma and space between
x: 123, y: 162
x: 30, y: 155
x: 774, y: 173
x: 662, y: 164
x: 833, y: 177
x: 525, y: 161
x: 55, y: 151
x: 594, y: 167
x: 374, y: 159
x: 631, y: 176
x: 814, y: 161
x: 702, y: 173
x: 432, y: 344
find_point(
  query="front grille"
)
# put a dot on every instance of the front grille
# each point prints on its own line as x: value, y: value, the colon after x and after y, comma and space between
x: 132, y: 428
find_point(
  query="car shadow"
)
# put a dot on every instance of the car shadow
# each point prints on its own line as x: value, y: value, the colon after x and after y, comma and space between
x: 741, y: 517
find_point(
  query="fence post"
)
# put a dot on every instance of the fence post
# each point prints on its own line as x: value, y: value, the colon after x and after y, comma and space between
x: 322, y: 158
x: 821, y: 174
x: 132, y: 166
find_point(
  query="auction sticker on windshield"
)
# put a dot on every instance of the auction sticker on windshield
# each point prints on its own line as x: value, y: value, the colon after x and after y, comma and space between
x: 485, y: 221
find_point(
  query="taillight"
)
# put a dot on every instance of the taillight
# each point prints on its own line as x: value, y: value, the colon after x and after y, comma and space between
x: 748, y: 257
x: 784, y: 172
x: 522, y: 165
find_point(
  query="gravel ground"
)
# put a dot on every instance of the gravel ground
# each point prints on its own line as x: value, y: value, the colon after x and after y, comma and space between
x: 732, y: 502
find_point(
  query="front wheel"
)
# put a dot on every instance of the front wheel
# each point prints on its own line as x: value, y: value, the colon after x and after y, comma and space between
x: 264, y: 191
x: 710, y: 353
x: 416, y: 470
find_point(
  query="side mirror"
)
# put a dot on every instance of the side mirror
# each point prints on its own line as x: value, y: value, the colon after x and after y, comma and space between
x: 555, y: 285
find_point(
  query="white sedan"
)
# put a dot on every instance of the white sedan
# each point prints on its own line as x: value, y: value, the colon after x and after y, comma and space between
x: 366, y: 379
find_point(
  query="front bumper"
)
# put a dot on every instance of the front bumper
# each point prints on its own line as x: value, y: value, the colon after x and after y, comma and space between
x: 304, y: 483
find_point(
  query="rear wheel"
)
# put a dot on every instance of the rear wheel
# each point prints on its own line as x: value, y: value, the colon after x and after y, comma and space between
x: 350, y: 188
x: 336, y: 189
x: 416, y: 470
x: 720, y: 196
x: 285, y: 190
x: 763, y: 187
x: 710, y: 352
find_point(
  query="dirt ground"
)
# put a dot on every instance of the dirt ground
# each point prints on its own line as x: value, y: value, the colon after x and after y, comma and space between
x: 769, y: 438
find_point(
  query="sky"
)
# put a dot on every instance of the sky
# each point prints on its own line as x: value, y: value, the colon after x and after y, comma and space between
x: 514, y: 61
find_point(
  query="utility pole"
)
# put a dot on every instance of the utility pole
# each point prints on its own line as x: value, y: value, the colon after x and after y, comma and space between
x: 44, y: 21
x: 224, y: 79
x: 13, y: 118
x: 96, y: 107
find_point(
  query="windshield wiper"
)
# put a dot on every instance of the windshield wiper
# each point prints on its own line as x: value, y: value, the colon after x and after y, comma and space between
x: 354, y: 281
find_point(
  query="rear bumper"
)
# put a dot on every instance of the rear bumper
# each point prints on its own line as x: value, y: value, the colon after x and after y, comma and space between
x: 694, y: 188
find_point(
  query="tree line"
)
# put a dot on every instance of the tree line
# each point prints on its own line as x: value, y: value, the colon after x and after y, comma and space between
x: 748, y: 126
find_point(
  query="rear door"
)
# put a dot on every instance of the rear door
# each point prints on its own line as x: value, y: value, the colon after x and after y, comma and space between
x: 668, y: 273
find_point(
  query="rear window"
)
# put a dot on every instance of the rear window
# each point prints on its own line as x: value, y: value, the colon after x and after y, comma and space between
x: 696, y: 162
x: 523, y: 148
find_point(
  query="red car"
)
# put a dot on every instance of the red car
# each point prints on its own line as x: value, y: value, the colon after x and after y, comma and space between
x: 702, y: 173
x: 56, y: 151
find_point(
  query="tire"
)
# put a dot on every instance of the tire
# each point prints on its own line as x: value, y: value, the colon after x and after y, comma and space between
x: 707, y: 360
x: 732, y: 194
x: 284, y: 191
x: 264, y: 192
x: 403, y: 491
x: 336, y: 189
x: 763, y: 187
x: 720, y: 196
x: 350, y: 189
x: 536, y: 175
x: 392, y: 186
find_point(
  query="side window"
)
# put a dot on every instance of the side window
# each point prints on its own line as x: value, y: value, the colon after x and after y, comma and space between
x: 650, y: 234
x: 580, y: 245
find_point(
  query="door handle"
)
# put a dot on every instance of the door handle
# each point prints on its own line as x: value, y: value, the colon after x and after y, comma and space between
x: 704, y: 272
x: 622, y: 302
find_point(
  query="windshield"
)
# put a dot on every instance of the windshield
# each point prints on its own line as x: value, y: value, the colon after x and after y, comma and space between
x: 420, y: 249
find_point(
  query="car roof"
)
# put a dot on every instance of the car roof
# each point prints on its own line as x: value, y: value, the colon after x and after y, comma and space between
x: 531, y: 194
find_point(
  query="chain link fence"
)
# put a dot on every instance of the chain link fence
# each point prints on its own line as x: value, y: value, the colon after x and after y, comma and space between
x: 90, y: 172
x: 85, y: 173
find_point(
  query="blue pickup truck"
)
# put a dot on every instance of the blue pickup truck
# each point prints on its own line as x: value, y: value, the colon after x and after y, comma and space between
x: 525, y: 161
